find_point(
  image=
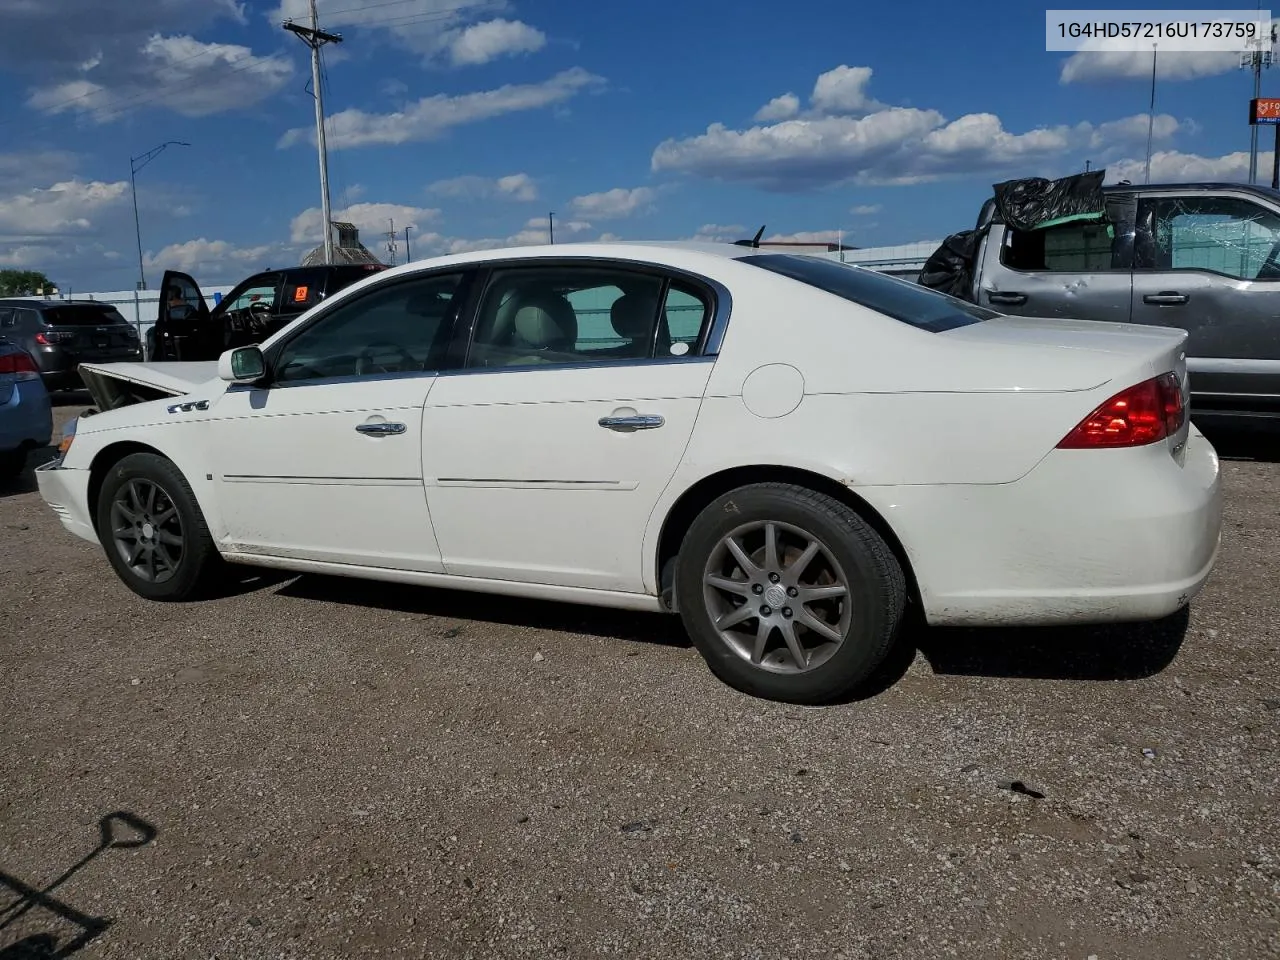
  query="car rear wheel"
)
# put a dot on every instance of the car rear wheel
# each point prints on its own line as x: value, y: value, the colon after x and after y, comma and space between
x: 788, y: 594
x: 153, y: 531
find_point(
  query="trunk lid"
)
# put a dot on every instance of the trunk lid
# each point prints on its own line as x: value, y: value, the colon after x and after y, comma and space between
x: 1077, y: 354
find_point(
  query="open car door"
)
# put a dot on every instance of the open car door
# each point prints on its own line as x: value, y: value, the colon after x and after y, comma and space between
x: 182, y: 330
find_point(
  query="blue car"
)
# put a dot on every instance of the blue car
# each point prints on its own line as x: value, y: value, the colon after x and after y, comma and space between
x: 26, y: 416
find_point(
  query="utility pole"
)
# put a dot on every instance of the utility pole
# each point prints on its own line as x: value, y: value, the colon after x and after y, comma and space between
x: 407, y: 255
x: 136, y: 164
x: 315, y: 38
x: 391, y: 241
x: 1256, y: 59
x: 1151, y: 115
x: 551, y: 226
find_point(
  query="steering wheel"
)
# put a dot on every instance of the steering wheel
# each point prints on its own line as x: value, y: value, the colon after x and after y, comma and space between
x: 366, y: 364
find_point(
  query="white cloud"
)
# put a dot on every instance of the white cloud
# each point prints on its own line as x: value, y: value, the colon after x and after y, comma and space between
x: 433, y: 116
x: 482, y: 42
x: 614, y: 204
x: 809, y: 236
x: 516, y: 186
x: 850, y: 138
x: 865, y: 209
x: 18, y: 170
x: 1171, y: 166
x: 721, y: 233
x: 62, y: 209
x: 844, y: 91
x: 181, y: 73
x: 27, y: 256
x: 213, y: 261
x: 372, y: 220
x: 450, y: 32
x: 1106, y: 65
x: 779, y: 108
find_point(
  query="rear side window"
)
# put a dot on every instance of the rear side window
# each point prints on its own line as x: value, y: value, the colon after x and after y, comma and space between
x: 82, y: 315
x: 902, y: 300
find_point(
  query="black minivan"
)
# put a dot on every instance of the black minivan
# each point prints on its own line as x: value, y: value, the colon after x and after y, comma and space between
x: 62, y: 334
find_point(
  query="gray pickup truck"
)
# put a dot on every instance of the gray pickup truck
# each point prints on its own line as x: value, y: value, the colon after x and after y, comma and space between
x: 1204, y: 257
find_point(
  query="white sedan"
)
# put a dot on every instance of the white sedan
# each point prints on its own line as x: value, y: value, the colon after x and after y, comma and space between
x: 783, y: 450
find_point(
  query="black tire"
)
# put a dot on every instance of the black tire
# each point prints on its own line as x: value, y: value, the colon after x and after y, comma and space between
x: 854, y: 554
x: 12, y: 463
x: 197, y: 566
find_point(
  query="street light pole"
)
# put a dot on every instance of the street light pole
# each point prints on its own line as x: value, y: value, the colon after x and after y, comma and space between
x: 136, y: 164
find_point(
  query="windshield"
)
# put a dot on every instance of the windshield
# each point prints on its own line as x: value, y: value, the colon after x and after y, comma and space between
x: 82, y: 315
x: 902, y: 300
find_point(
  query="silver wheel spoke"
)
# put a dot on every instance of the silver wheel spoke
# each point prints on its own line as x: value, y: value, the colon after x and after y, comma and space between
x: 135, y: 551
x: 163, y: 555
x: 135, y: 501
x: 762, y: 639
x: 741, y: 588
x: 151, y: 498
x: 125, y: 512
x: 735, y: 616
x: 165, y: 516
x: 764, y: 592
x: 771, y: 548
x: 802, y: 562
x: 151, y: 563
x: 810, y: 594
x: 740, y: 556
x: 819, y: 627
x: 172, y: 539
x: 794, y: 645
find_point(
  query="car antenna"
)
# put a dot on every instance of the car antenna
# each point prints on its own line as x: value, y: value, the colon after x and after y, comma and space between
x: 753, y: 242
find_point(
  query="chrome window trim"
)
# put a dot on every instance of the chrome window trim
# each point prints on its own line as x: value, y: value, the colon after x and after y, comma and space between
x: 588, y: 365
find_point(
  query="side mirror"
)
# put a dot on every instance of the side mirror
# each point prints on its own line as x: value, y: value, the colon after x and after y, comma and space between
x: 242, y: 365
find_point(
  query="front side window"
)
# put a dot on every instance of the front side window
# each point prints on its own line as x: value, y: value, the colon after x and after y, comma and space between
x: 7, y: 316
x: 902, y: 300
x: 260, y: 296
x: 1068, y: 248
x: 401, y: 328
x: 1225, y: 235
x: 555, y: 314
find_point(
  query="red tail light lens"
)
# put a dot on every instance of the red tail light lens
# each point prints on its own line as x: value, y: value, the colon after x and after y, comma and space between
x: 19, y: 364
x: 56, y: 336
x: 1142, y: 414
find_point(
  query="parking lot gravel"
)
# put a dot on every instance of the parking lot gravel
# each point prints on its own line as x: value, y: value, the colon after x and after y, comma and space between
x: 316, y: 767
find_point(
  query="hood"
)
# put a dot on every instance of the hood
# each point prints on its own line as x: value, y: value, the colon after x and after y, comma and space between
x: 114, y: 385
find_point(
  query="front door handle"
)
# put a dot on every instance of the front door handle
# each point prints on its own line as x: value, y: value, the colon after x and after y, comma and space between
x: 1013, y: 299
x: 639, y: 422
x: 1166, y: 298
x: 381, y: 429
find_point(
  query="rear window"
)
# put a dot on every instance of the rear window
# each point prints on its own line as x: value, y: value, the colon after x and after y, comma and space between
x: 88, y: 315
x: 902, y: 300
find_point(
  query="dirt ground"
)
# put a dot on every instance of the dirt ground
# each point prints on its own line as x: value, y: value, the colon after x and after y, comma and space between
x: 325, y: 768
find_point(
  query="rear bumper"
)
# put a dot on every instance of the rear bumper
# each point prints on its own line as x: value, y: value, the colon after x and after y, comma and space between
x: 1089, y: 536
x: 26, y: 418
x: 67, y: 494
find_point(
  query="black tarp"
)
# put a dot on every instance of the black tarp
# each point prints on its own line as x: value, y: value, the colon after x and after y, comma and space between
x: 949, y: 269
x: 1036, y: 202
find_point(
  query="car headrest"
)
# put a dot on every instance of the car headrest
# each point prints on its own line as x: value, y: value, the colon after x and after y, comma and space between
x: 546, y: 321
x: 632, y: 316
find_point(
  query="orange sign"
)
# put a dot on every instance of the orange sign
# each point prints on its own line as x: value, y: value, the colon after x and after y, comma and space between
x: 1264, y: 110
x: 300, y: 293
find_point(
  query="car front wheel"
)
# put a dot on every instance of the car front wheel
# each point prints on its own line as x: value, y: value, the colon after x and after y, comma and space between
x: 788, y: 594
x: 153, y: 531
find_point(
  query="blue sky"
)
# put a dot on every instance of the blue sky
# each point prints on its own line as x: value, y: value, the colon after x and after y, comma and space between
x: 469, y: 121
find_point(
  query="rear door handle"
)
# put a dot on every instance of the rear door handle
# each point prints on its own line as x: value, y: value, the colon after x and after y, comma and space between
x: 380, y: 429
x: 1166, y: 298
x: 1013, y: 299
x: 639, y: 422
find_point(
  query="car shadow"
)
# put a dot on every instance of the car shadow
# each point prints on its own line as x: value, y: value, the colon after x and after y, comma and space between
x: 25, y: 482
x: 1101, y: 653
x: 1260, y: 444
x: 653, y: 628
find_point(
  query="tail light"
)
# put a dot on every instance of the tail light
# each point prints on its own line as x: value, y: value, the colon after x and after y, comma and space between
x: 52, y: 337
x: 19, y: 365
x: 1142, y: 414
